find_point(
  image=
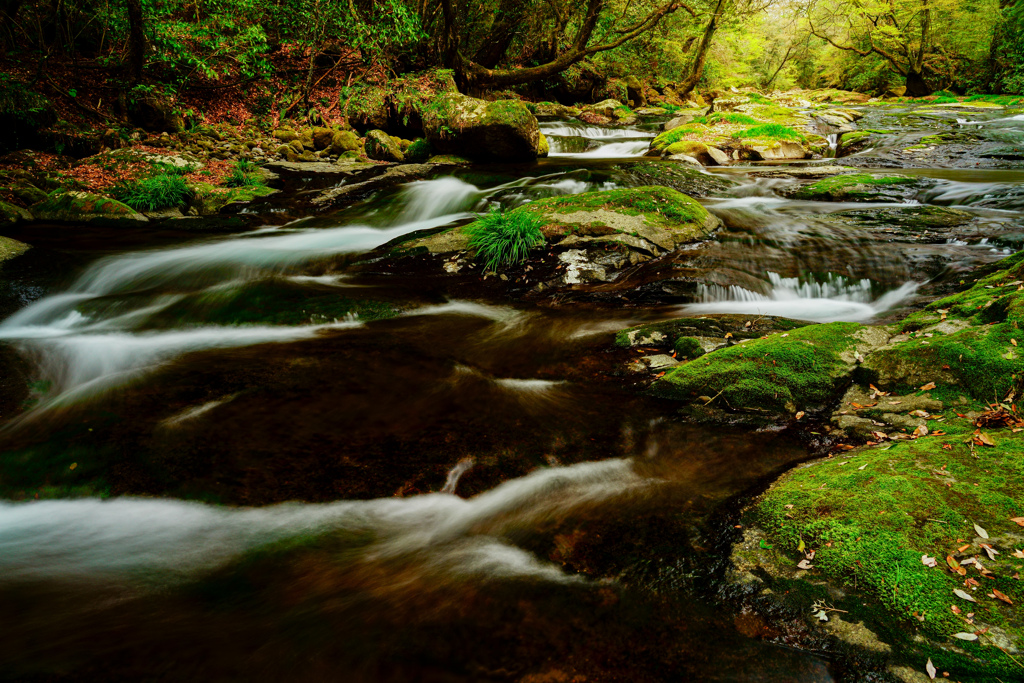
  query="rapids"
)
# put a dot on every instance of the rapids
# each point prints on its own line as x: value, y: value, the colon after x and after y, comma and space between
x: 249, y: 483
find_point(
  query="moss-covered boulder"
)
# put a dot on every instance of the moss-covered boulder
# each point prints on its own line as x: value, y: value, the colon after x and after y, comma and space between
x: 344, y: 141
x: 367, y: 108
x: 418, y: 152
x: 709, y: 332
x: 503, y: 130
x: 11, y: 214
x: 777, y: 376
x: 689, y: 181
x: 209, y: 200
x: 899, y: 534
x: 382, y: 147
x: 11, y: 248
x: 862, y: 187
x: 84, y: 207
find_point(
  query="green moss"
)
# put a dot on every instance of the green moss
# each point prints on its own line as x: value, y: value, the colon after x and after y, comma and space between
x: 687, y: 147
x: 726, y: 117
x: 688, y: 348
x: 871, y: 514
x: 419, y: 151
x: 800, y: 370
x: 83, y: 206
x: 857, y: 187
x: 661, y: 204
x: 669, y: 137
x: 994, y: 297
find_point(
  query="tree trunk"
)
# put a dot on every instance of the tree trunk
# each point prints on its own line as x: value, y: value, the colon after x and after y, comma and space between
x: 687, y: 85
x: 136, y: 40
x: 506, y: 23
x: 916, y: 86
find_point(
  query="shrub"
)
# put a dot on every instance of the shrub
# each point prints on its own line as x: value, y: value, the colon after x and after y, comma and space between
x: 770, y: 130
x: 504, y: 238
x: 161, y: 191
x: 244, y: 174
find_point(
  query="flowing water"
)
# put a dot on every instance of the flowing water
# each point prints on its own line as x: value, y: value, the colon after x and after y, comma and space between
x: 258, y: 477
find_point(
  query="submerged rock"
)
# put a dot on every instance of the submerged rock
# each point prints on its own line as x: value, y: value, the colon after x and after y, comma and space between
x: 503, y: 130
x: 862, y: 187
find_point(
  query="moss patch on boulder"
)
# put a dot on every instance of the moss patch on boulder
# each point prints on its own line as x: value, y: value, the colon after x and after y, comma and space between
x: 775, y: 376
x: 861, y: 187
x: 870, y: 517
x: 503, y: 130
x: 85, y: 207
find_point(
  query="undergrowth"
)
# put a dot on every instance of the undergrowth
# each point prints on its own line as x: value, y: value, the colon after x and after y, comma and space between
x: 244, y: 174
x: 770, y: 130
x: 164, y: 190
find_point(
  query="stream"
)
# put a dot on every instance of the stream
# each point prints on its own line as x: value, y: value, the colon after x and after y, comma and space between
x: 263, y: 463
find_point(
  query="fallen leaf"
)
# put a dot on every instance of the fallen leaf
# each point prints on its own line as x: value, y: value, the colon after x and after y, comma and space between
x: 822, y: 616
x: 963, y: 547
x: 1019, y: 554
x: 989, y: 550
x: 800, y: 415
x: 955, y: 566
x: 947, y: 447
x: 984, y: 439
x: 956, y: 610
x: 918, y: 413
x: 964, y: 595
x: 981, y: 532
x: 862, y: 466
x: 789, y: 507
x: 804, y: 564
x: 921, y: 431
x: 73, y: 465
x: 801, y: 547
x: 928, y: 387
x: 728, y: 335
x: 1018, y: 520
x: 880, y: 436
x: 930, y: 668
x: 1002, y: 596
x: 1013, y: 341
x: 965, y: 636
x: 929, y: 561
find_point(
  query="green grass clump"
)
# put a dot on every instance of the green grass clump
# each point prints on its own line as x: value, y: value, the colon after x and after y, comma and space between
x: 161, y: 191
x: 770, y: 130
x: 772, y: 375
x: 945, y: 100
x: 503, y: 238
x: 244, y: 174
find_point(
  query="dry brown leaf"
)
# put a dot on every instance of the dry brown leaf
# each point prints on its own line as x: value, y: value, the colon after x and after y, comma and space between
x: 928, y: 561
x: 1019, y: 554
x: 1018, y: 520
x: 930, y: 668
x: 928, y: 387
x: 920, y: 431
x: 964, y: 595
x: 800, y: 415
x: 1002, y: 596
x: 955, y: 566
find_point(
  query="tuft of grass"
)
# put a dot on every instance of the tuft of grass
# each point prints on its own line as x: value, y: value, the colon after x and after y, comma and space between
x: 244, y: 174
x: 161, y: 191
x: 770, y: 130
x: 505, y: 238
x: 758, y: 98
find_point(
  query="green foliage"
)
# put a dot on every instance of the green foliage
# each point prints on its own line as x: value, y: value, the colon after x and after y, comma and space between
x: 18, y: 101
x: 770, y: 130
x: 244, y: 174
x: 503, y: 238
x: 161, y: 191
x: 726, y: 117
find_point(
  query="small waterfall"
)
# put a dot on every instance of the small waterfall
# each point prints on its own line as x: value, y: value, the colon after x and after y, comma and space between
x: 835, y: 298
x: 427, y: 199
x: 833, y: 143
x: 583, y: 141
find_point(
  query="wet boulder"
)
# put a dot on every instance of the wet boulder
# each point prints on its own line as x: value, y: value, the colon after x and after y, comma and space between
x: 918, y: 223
x: 344, y: 141
x: 689, y: 181
x: 10, y: 248
x: 156, y: 113
x: 503, y: 130
x: 862, y: 187
x: 382, y: 147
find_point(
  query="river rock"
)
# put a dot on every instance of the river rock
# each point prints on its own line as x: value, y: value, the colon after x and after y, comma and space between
x: 773, y: 378
x: 344, y: 141
x: 11, y: 214
x: 84, y: 207
x: 380, y: 146
x: 503, y: 130
x: 862, y: 187
x: 10, y: 248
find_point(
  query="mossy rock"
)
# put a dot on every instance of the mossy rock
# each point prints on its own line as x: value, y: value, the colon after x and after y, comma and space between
x: 689, y: 181
x: 418, y: 152
x: 306, y: 138
x: 503, y: 130
x: 285, y: 135
x: 710, y: 331
x: 872, y: 514
x: 689, y: 148
x: 449, y: 160
x: 209, y: 200
x: 909, y: 217
x: 382, y: 147
x: 84, y: 207
x: 862, y: 187
x: 543, y: 149
x: 652, y: 219
x: 777, y: 376
x: 344, y: 141
x: 24, y: 191
x: 322, y: 137
x: 11, y: 214
x: 11, y: 248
